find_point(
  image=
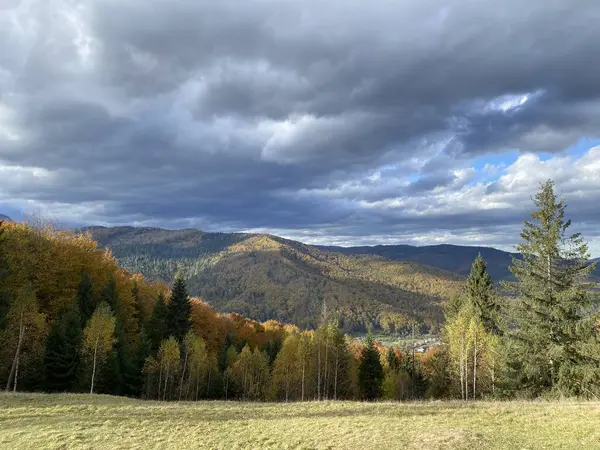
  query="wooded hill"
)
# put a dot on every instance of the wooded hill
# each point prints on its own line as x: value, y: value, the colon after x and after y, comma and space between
x: 266, y: 277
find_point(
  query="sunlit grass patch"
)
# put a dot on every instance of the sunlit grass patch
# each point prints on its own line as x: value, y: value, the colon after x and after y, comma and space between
x: 82, y: 421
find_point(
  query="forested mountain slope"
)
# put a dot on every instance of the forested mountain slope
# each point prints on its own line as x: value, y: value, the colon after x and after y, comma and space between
x: 267, y: 277
x: 454, y: 258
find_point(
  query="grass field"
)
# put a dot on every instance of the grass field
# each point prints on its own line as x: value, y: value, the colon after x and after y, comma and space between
x: 38, y: 421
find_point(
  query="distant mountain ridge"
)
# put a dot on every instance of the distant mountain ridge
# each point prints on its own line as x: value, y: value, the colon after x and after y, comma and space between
x: 453, y: 258
x: 5, y: 218
x: 268, y: 277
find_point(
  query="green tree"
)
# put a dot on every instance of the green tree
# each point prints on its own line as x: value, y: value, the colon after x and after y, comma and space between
x: 85, y: 297
x: 110, y: 295
x: 479, y: 289
x: 179, y: 310
x: 63, y: 349
x: 552, y: 315
x: 98, y: 337
x: 370, y: 372
x: 157, y: 328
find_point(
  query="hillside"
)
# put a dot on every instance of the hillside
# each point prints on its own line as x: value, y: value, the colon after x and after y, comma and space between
x: 266, y: 277
x: 453, y: 258
x: 5, y: 218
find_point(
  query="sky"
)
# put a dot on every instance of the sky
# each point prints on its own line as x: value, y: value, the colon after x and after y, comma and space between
x: 344, y: 122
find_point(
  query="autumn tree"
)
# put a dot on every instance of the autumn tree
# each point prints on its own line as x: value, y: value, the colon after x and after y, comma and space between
x: 305, y: 349
x: 169, y: 359
x: 552, y: 314
x: 194, y: 364
x: 198, y: 365
x: 287, y: 377
x: 179, y: 310
x: 251, y: 373
x: 4, y: 272
x: 98, y: 337
x: 23, y: 336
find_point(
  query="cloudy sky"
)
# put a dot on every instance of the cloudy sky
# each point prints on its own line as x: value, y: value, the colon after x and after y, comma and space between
x: 340, y: 122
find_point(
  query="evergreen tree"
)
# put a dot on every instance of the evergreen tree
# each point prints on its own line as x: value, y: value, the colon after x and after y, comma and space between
x: 110, y: 295
x: 137, y: 304
x: 370, y: 372
x: 62, y: 355
x: 479, y: 290
x: 157, y: 328
x: 130, y: 380
x: 552, y: 315
x: 393, y: 360
x: 179, y: 311
x: 85, y: 297
x: 143, y: 351
x: 109, y: 376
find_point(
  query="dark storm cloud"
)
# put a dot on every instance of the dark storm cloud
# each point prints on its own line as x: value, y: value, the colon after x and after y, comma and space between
x: 346, y: 116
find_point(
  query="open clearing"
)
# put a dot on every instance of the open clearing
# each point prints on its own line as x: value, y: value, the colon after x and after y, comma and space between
x: 82, y: 421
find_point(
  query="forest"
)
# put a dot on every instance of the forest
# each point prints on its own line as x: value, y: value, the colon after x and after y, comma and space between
x: 72, y: 320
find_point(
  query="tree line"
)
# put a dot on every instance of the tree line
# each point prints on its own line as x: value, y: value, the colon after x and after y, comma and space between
x: 71, y: 320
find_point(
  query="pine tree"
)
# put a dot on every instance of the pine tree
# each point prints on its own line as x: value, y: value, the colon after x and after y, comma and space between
x: 157, y: 328
x: 479, y: 289
x: 370, y: 372
x: 86, y: 298
x: 552, y: 314
x: 62, y: 355
x: 130, y: 381
x: 179, y: 311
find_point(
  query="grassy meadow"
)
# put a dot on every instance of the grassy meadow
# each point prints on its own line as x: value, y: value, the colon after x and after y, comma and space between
x: 74, y: 421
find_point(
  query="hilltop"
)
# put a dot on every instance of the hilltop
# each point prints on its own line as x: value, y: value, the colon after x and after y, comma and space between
x: 267, y: 277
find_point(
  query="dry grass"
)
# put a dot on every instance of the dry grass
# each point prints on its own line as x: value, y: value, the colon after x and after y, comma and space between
x: 38, y: 421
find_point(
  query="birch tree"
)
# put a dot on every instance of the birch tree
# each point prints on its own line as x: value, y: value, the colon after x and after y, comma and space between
x: 98, y: 337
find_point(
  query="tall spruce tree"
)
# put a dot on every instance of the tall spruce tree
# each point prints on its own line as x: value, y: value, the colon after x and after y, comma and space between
x: 370, y: 372
x: 85, y: 297
x: 179, y: 311
x: 552, y: 314
x: 62, y: 355
x: 479, y: 290
x: 157, y: 328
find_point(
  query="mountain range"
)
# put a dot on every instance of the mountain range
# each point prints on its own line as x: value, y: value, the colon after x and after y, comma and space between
x: 267, y: 277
